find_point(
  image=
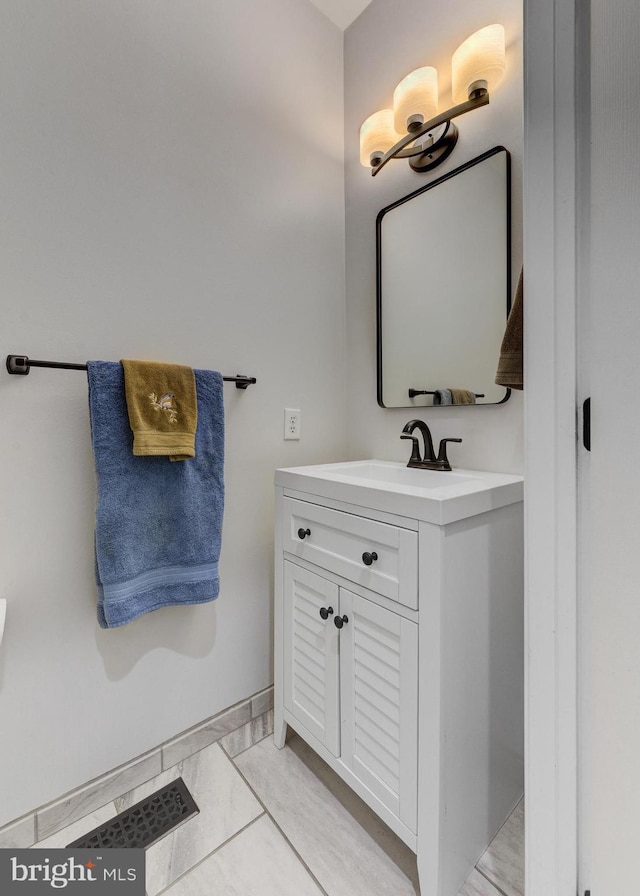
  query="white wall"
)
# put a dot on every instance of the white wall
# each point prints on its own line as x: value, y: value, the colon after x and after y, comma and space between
x: 165, y: 194
x: 388, y: 40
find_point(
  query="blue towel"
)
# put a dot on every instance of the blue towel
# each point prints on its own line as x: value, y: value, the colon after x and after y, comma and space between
x: 158, y: 524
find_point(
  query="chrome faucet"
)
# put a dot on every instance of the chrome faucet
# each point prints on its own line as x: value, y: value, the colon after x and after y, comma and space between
x: 428, y: 461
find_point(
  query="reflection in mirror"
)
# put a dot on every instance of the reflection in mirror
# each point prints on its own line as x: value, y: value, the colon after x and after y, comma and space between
x: 443, y: 257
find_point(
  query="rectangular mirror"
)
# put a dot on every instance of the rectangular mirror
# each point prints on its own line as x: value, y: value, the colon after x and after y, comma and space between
x: 443, y: 286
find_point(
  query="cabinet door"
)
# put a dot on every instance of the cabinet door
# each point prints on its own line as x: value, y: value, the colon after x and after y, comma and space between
x: 379, y: 702
x: 311, y: 689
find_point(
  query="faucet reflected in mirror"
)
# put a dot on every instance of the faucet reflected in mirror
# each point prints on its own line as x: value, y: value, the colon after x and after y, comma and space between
x: 428, y: 460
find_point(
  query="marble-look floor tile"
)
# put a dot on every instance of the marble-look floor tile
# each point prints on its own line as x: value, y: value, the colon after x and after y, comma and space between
x: 226, y: 806
x: 258, y: 862
x: 67, y: 835
x: 477, y: 885
x: 205, y: 734
x: 347, y: 848
x: 503, y: 861
x: 243, y: 738
x: 20, y: 834
x: 81, y: 802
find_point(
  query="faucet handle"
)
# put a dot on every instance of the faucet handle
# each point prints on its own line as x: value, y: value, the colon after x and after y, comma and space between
x: 415, y: 451
x: 442, y: 453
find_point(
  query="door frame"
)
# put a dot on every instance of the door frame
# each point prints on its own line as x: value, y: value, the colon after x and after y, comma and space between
x: 551, y: 175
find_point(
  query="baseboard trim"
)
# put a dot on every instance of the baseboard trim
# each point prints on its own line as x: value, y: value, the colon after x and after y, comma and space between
x: 57, y: 814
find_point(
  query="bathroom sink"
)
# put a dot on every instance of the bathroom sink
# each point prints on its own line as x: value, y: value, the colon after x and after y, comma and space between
x: 398, y: 474
x: 430, y: 495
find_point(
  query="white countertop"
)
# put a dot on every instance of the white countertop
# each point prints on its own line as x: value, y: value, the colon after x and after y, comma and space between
x: 429, y: 495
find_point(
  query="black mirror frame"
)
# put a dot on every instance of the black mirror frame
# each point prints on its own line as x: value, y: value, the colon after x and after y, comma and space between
x: 475, y: 161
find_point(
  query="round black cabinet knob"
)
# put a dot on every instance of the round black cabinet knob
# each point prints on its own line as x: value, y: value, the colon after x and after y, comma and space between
x: 368, y: 558
x: 339, y: 621
x: 325, y: 612
x: 302, y: 533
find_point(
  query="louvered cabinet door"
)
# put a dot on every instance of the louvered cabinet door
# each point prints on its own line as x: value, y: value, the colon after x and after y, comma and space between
x: 379, y: 702
x: 311, y: 682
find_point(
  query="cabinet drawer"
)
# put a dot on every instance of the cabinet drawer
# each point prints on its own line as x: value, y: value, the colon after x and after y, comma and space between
x: 338, y: 541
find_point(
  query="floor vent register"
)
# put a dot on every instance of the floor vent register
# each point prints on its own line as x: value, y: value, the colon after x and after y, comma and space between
x: 143, y: 824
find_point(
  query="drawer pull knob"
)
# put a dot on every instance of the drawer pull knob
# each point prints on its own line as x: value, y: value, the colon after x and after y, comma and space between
x: 368, y: 558
x: 302, y: 533
x: 339, y: 621
x: 325, y: 612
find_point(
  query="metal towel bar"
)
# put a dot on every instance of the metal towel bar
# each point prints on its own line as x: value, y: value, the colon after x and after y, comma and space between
x: 20, y: 364
x: 414, y: 392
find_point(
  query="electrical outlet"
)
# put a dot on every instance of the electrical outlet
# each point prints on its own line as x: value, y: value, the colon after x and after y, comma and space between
x: 292, y: 423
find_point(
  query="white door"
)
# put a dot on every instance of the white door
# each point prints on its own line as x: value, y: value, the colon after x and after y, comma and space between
x: 609, y: 599
x: 311, y: 660
x: 582, y: 187
x: 379, y: 702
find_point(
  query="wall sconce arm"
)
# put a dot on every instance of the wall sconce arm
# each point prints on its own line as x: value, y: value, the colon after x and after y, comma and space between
x: 432, y: 152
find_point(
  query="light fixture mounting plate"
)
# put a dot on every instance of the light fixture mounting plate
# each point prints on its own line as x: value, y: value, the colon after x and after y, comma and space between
x: 437, y: 153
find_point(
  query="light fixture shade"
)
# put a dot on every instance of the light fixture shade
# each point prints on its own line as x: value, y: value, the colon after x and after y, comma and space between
x: 479, y: 58
x: 377, y: 135
x: 417, y: 94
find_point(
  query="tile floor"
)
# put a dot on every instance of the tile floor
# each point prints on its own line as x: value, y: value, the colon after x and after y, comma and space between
x: 281, y: 823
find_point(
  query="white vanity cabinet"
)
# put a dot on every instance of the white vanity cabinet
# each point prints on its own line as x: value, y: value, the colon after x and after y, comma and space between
x: 399, y: 647
x: 354, y: 688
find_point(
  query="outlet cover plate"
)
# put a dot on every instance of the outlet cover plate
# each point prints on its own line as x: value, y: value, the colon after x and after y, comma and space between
x: 292, y: 423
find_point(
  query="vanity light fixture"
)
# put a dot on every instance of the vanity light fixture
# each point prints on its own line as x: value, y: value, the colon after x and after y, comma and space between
x: 477, y: 66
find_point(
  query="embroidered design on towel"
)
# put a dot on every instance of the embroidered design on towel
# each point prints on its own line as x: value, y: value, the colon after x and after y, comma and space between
x: 165, y: 403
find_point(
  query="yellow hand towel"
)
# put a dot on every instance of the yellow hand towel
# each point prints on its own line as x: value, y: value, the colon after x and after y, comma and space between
x: 462, y: 396
x: 163, y: 414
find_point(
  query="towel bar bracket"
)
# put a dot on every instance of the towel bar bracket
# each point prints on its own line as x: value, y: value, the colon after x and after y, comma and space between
x: 18, y: 364
x: 241, y: 381
x: 21, y: 365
